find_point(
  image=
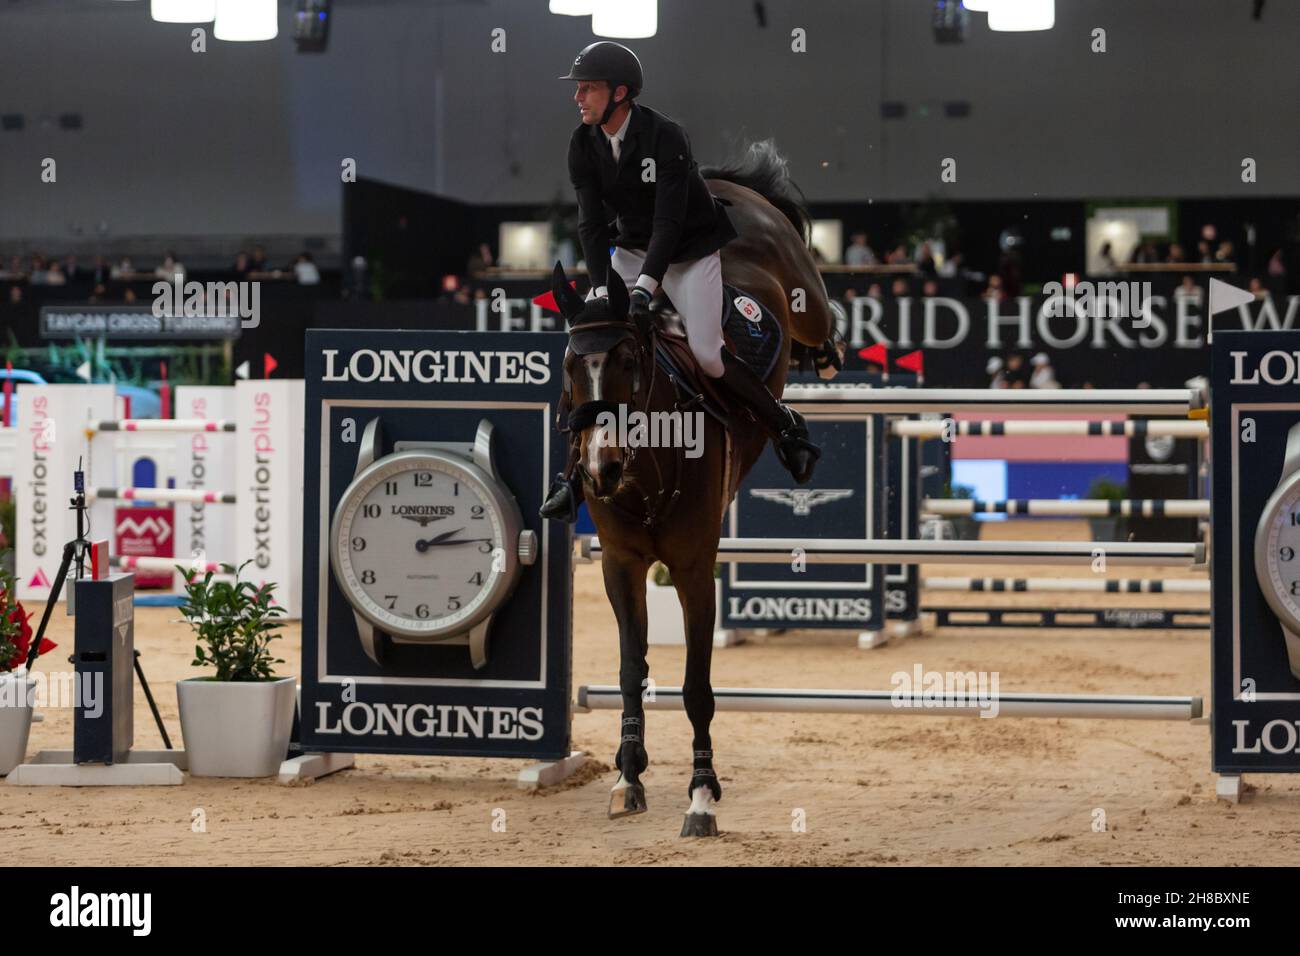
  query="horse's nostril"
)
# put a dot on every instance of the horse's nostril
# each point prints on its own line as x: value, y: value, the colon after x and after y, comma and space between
x: 611, y: 472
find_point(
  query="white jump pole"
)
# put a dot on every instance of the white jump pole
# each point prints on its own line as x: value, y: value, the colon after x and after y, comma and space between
x: 808, y: 701
x: 144, y: 563
x: 847, y: 399
x: 870, y: 551
x: 160, y: 425
x: 1109, y: 586
x: 941, y: 427
x: 192, y: 495
x: 1146, y: 507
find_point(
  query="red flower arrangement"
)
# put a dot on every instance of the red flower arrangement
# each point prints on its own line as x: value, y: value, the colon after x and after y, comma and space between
x: 16, y: 631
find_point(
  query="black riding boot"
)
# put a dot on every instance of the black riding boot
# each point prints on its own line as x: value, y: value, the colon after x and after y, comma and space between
x: 562, y: 499
x: 784, y: 424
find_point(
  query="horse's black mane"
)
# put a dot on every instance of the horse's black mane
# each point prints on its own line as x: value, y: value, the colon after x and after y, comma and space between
x: 763, y: 169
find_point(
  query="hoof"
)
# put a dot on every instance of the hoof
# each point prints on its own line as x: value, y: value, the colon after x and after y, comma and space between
x: 700, y: 825
x: 626, y: 799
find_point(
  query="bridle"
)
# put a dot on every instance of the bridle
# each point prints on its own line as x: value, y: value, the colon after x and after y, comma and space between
x: 585, y: 415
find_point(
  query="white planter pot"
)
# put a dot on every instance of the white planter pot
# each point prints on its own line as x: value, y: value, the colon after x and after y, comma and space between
x: 664, y: 612
x: 236, y: 729
x: 15, y: 719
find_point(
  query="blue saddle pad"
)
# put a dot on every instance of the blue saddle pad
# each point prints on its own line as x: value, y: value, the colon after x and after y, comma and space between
x: 752, y: 329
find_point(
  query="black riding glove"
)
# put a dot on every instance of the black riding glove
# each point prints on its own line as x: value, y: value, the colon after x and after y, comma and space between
x: 638, y: 303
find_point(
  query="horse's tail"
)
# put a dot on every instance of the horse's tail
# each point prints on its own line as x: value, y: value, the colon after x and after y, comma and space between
x: 763, y: 169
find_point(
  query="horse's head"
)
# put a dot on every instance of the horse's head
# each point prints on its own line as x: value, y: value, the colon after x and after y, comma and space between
x: 606, y: 368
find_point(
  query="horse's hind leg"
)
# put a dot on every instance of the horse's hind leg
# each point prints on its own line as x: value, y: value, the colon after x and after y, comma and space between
x: 625, y: 584
x: 695, y: 589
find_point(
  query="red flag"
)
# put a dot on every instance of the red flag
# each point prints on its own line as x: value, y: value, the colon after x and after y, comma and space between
x: 547, y: 299
x: 269, y: 364
x: 913, y: 362
x: 875, y: 353
x: 165, y: 394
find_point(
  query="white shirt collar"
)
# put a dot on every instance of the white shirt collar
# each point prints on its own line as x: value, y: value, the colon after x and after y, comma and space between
x: 622, y: 130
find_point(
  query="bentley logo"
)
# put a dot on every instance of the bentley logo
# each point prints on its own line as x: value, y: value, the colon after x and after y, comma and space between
x: 801, y: 499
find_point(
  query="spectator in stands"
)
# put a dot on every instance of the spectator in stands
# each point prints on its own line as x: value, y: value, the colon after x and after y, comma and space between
x: 100, y: 270
x: 952, y: 266
x: 997, y: 377
x: 1176, y: 253
x: 925, y: 260
x: 128, y: 295
x: 461, y: 296
x: 1188, y: 289
x: 258, y: 261
x: 1226, y: 253
x: 1107, y: 264
x: 849, y: 295
x: 15, y: 270
x: 1277, y: 264
x: 1256, y: 288
x: 242, y: 266
x: 993, y: 291
x: 480, y: 260
x: 123, y: 268
x: 1145, y: 253
x: 54, y: 275
x: 70, y: 267
x: 15, y: 294
x: 901, y: 288
x: 897, y: 256
x: 930, y: 289
x: 37, y: 274
x: 1043, y: 375
x: 170, y: 268
x: 100, y: 295
x: 1017, y: 373
x: 874, y: 291
x: 1203, y: 252
x: 859, y: 253
x: 305, y: 270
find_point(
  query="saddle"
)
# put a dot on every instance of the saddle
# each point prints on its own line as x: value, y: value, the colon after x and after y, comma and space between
x: 750, y: 331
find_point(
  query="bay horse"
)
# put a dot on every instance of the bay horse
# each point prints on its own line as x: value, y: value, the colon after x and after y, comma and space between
x: 653, y: 503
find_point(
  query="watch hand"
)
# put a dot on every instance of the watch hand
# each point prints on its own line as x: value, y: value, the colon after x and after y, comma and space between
x: 423, y: 546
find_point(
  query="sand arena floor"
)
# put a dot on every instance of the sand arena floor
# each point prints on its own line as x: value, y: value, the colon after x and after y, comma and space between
x: 872, y: 789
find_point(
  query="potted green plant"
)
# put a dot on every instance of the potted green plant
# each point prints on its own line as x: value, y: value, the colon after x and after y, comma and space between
x: 237, y: 722
x: 1110, y: 528
x: 16, y: 687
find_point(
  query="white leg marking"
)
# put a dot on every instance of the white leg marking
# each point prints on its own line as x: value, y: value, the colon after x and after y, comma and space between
x: 702, y: 800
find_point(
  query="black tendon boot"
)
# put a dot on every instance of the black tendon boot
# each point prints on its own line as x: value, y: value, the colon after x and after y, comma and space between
x: 784, y: 424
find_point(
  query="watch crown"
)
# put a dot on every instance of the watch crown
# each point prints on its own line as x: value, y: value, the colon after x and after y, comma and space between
x: 527, y: 547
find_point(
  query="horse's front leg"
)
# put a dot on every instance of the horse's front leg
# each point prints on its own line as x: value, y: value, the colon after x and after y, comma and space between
x: 625, y: 585
x: 695, y: 590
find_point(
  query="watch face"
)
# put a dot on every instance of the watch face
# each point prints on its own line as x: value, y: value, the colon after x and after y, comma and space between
x: 1277, y: 552
x: 415, y: 542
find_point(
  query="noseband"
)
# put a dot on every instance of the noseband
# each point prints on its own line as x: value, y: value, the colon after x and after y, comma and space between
x: 585, y: 415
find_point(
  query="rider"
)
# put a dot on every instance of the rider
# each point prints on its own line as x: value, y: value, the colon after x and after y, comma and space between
x: 638, y: 163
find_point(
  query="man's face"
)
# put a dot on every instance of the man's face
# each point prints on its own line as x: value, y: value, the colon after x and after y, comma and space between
x: 592, y: 96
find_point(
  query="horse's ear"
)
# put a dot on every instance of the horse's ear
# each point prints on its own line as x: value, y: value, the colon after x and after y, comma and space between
x: 566, y: 297
x: 618, y: 302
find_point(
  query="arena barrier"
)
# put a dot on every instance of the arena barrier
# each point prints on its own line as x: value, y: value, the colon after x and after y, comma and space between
x: 1071, y: 508
x: 809, y: 701
x: 1074, y: 618
x: 941, y: 427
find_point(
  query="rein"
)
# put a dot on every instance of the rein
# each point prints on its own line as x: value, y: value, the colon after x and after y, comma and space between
x: 585, y: 415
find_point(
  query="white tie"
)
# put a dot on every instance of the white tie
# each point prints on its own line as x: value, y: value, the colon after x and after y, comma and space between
x: 613, y: 144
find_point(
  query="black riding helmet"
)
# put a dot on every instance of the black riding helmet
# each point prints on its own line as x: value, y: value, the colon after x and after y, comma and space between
x: 612, y: 62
